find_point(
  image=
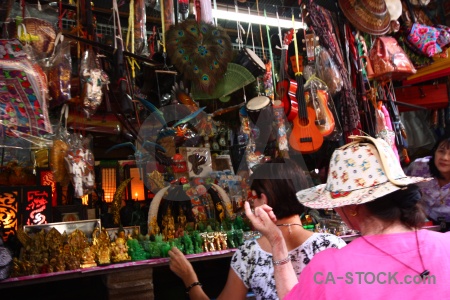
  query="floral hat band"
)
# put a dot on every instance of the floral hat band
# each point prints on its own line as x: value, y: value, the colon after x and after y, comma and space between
x: 359, y: 172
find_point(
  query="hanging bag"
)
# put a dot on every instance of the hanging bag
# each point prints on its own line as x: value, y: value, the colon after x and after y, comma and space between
x: 388, y: 59
x: 423, y: 37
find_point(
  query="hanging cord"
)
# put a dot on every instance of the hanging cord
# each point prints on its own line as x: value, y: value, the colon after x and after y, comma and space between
x: 130, y: 40
x: 260, y: 33
x: 279, y: 29
x: 163, y: 37
x: 270, y: 94
x: 250, y: 31
x: 117, y: 27
x: 298, y: 73
x: 238, y: 28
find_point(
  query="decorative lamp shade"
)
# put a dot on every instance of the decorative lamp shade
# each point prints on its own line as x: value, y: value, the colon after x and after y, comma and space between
x: 45, y: 177
x: 109, y: 182
x: 30, y: 205
x: 36, y: 205
x: 9, y: 209
x: 137, y: 191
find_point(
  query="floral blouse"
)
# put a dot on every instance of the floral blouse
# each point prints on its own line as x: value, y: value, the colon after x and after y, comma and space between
x: 254, y: 265
x: 436, y: 199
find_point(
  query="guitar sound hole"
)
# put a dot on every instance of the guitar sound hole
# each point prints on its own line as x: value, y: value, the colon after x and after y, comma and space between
x: 306, y: 140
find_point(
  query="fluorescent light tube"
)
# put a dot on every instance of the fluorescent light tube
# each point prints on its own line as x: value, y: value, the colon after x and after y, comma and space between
x: 254, y: 19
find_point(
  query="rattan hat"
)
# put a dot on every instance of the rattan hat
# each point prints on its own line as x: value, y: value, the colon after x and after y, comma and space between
x: 235, y: 78
x: 371, y: 16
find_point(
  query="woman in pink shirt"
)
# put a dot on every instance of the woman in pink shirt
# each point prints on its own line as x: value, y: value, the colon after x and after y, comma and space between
x: 393, y: 258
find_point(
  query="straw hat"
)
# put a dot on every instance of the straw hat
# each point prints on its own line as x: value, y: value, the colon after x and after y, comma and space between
x: 235, y: 78
x: 360, y: 172
x: 371, y: 16
x: 395, y: 8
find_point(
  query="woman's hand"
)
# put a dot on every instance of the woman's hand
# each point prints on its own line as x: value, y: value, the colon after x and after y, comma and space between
x: 263, y: 219
x: 179, y: 264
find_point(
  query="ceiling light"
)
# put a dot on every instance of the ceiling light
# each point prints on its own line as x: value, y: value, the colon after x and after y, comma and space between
x: 254, y: 19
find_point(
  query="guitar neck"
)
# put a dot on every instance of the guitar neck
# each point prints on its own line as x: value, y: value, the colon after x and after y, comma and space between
x: 283, y: 60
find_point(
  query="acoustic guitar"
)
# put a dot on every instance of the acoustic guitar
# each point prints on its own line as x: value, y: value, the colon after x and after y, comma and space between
x: 306, y: 136
x: 285, y: 85
x: 324, y: 117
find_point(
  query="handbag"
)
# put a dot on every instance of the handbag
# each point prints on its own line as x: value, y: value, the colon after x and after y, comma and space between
x: 423, y: 37
x: 388, y: 60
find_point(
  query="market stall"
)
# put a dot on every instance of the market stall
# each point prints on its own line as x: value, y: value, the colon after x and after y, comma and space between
x: 128, y: 127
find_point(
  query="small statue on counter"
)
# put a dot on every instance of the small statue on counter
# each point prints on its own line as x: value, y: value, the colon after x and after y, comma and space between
x: 223, y: 240
x: 119, y: 249
x: 231, y: 238
x: 87, y: 258
x: 168, y: 224
x: 221, y: 211
x: 104, y: 255
x: 170, y: 230
x: 154, y: 228
x: 205, y: 242
x: 210, y: 241
x: 167, y: 218
x: 181, y: 218
x: 197, y: 241
x: 188, y: 245
x: 136, y: 250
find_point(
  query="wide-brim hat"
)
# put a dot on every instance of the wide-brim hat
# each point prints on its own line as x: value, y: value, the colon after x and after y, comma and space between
x: 395, y: 8
x: 359, y: 172
x: 235, y: 78
x: 371, y: 16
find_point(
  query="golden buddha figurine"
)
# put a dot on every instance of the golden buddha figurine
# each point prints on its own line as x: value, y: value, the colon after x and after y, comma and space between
x: 168, y: 224
x: 221, y: 211
x: 170, y: 232
x: 223, y: 240
x: 204, y: 242
x: 210, y: 241
x: 87, y: 258
x: 119, y: 249
x: 104, y: 255
x: 153, y: 227
x: 181, y: 218
x: 217, y: 242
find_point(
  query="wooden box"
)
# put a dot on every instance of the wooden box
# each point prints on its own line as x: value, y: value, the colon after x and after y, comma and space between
x: 431, y: 96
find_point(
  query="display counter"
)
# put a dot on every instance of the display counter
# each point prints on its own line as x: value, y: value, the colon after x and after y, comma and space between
x: 146, y: 279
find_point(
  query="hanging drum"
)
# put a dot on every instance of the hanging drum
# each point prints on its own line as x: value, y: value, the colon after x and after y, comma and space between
x: 248, y: 59
x: 260, y: 112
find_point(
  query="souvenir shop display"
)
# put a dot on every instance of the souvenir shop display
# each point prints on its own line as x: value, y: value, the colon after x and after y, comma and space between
x: 121, y: 138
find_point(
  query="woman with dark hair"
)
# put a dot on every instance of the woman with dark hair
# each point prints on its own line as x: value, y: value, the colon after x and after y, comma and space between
x: 392, y: 259
x: 252, y: 266
x: 436, y: 192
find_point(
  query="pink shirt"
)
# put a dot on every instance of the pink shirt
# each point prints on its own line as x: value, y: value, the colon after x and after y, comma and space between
x: 361, y: 271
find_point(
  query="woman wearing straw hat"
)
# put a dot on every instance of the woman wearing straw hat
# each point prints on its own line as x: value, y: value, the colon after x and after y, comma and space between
x: 273, y: 183
x: 392, y: 259
x: 436, y: 192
